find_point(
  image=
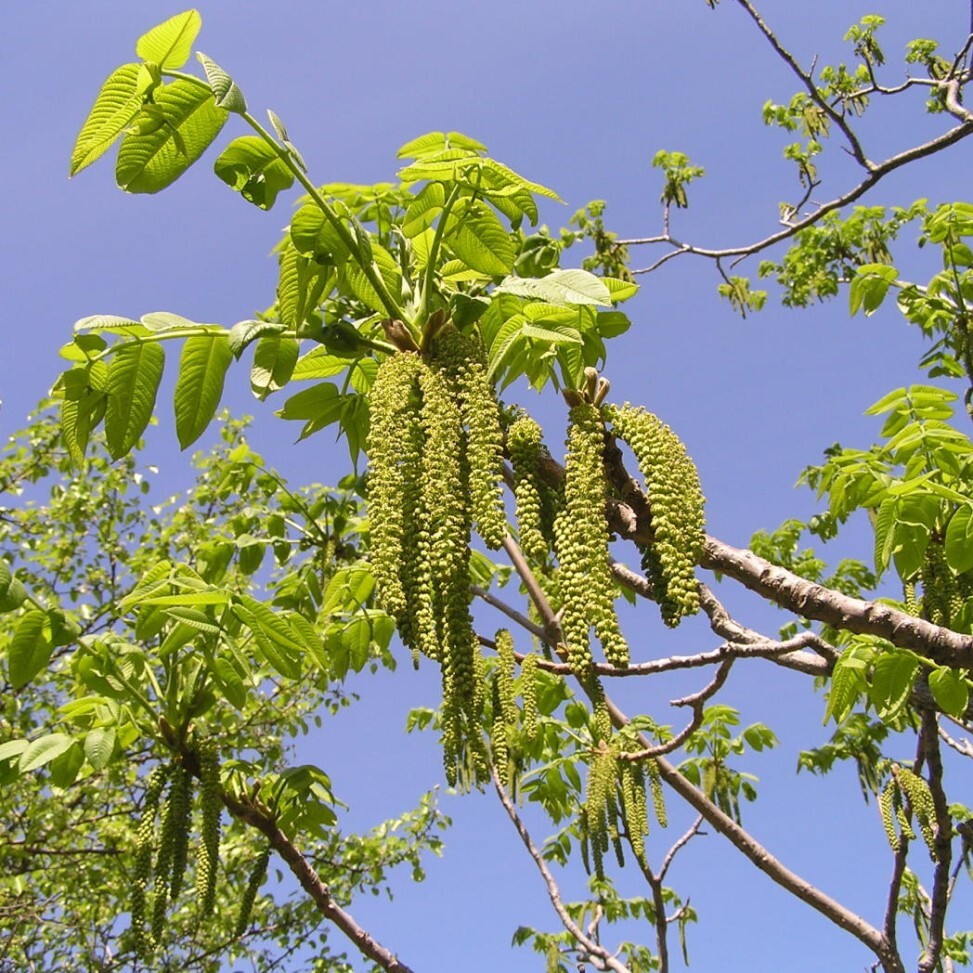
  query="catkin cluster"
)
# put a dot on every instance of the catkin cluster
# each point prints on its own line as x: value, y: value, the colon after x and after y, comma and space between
x: 905, y: 786
x: 162, y: 851
x: 676, y: 509
x: 144, y: 847
x: 581, y: 540
x: 944, y: 594
x: 435, y: 465
x: 616, y: 804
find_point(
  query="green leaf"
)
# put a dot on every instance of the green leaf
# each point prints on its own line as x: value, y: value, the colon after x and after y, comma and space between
x: 109, y: 322
x: 273, y: 364
x: 432, y: 143
x: 132, y: 384
x: 891, y: 683
x: 318, y: 363
x: 99, y: 745
x: 244, y: 332
x: 558, y: 335
x: 355, y: 281
x: 224, y: 88
x: 170, y: 43
x: 884, y: 534
x: 114, y: 110
x: 564, y: 287
x: 150, y: 162
x: 30, y: 649
x: 254, y: 169
x: 959, y: 540
x: 187, y: 598
x: 44, y: 750
x: 12, y: 748
x: 199, y: 387
x: 481, y: 242
x: 950, y: 690
x: 158, y: 321
x: 424, y: 209
x: 847, y: 683
x: 869, y: 287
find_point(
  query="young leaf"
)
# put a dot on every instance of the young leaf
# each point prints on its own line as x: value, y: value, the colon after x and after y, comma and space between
x: 132, y: 383
x: 245, y: 332
x: 254, y: 169
x: 224, y: 88
x: 150, y: 162
x: 114, y: 110
x: 199, y: 387
x: 169, y: 44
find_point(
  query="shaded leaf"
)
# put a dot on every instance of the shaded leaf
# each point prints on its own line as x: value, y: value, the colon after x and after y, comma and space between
x: 254, y: 169
x: 30, y: 649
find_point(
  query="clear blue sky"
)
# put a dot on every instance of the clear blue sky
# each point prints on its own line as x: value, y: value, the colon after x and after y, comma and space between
x: 579, y: 96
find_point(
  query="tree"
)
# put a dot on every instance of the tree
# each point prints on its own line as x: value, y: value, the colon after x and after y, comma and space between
x: 427, y: 299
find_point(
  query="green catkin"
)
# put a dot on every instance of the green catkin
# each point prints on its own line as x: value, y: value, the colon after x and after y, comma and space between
x: 886, y: 801
x: 524, y: 447
x: 581, y: 538
x: 938, y: 585
x: 634, y: 826
x: 144, y: 844
x: 181, y: 796
x: 658, y: 797
x: 257, y: 876
x: 501, y: 751
x: 676, y: 507
x: 211, y: 809
x: 915, y: 788
x: 505, y: 676
x: 599, y: 790
x: 461, y: 357
x: 394, y: 453
x: 528, y: 693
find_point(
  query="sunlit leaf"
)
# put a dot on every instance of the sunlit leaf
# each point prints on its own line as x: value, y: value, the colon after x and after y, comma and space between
x: 132, y: 384
x: 150, y: 162
x: 561, y: 287
x: 170, y: 43
x: 114, y: 110
x: 199, y: 387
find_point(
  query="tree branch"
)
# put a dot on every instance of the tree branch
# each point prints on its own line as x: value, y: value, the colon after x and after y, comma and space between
x: 598, y: 956
x: 309, y: 880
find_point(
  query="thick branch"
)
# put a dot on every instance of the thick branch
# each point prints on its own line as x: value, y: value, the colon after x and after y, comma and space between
x: 309, y: 880
x: 814, y: 601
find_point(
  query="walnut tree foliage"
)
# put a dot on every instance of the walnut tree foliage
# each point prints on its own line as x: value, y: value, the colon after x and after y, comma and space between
x: 153, y: 676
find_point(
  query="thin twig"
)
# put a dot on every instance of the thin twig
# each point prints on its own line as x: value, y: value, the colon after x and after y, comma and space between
x: 598, y: 956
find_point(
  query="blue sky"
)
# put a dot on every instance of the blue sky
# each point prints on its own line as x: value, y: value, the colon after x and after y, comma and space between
x: 578, y: 96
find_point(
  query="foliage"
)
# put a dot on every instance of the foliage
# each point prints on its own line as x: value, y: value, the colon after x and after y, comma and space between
x: 167, y: 664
